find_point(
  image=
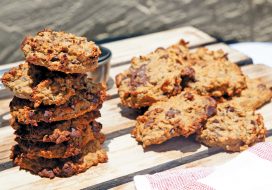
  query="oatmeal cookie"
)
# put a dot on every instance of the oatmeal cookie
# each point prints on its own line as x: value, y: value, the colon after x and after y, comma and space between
x: 216, y: 78
x: 255, y: 95
x: 40, y: 85
x: 50, y: 150
x: 84, y: 101
x: 180, y: 115
x: 234, y: 128
x: 91, y: 155
x: 154, y: 77
x: 59, y: 51
x: 59, y: 131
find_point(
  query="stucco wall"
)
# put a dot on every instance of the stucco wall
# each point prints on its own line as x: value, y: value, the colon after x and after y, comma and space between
x: 239, y: 20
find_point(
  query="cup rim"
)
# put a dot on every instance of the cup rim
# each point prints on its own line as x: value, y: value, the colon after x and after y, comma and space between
x: 103, y: 61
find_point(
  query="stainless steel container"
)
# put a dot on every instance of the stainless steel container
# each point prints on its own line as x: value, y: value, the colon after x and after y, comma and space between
x: 102, y: 72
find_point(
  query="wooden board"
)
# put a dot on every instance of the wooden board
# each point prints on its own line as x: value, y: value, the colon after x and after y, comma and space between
x: 126, y: 156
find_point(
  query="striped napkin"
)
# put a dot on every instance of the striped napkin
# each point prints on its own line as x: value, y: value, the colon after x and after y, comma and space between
x: 252, y: 169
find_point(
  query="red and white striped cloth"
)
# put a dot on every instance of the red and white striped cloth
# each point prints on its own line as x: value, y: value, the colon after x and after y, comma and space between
x: 250, y: 170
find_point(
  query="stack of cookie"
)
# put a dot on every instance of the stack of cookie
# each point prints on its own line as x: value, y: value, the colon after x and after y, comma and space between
x: 199, y: 93
x: 55, y: 105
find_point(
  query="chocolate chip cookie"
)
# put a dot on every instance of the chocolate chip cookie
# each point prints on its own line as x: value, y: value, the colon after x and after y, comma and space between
x: 40, y: 85
x: 180, y: 115
x: 216, y: 78
x: 234, y: 128
x: 84, y: 101
x: 59, y: 51
x: 255, y: 95
x: 91, y: 155
x: 50, y: 150
x: 154, y: 77
x: 59, y: 131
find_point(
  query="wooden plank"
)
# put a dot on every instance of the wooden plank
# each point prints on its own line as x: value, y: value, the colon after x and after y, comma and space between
x: 214, y: 160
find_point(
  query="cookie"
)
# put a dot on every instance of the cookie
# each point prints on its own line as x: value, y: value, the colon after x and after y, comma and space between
x: 59, y: 51
x: 50, y: 150
x: 59, y: 131
x: 84, y: 101
x: 91, y: 155
x: 255, y: 95
x: 216, y: 78
x: 204, y: 54
x: 154, y: 77
x: 21, y: 81
x: 40, y: 85
x: 234, y: 128
x: 180, y: 115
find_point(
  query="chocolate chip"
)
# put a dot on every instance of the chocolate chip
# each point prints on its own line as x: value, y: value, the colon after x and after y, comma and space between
x: 55, y: 58
x: 261, y: 86
x: 210, y: 110
x: 171, y: 113
x: 64, y: 58
x: 270, y: 88
x: 74, y: 133
x: 47, y: 173
x: 177, y: 90
x: 172, y: 130
x: 230, y: 109
x: 67, y: 169
x: 160, y: 48
x: 47, y: 116
x: 148, y: 123
x: 138, y: 77
x: 189, y: 96
x: 140, y: 72
x: 215, y: 121
x: 164, y: 57
x: 94, y: 98
x: 73, y: 107
x: 31, y: 114
x: 50, y: 51
x: 188, y: 72
x: 96, y: 127
x: 79, y: 42
x: 253, y: 122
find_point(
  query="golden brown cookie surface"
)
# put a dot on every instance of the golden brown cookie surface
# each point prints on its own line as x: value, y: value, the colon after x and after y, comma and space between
x: 59, y: 51
x: 154, y: 77
x: 234, y: 128
x: 180, y: 115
